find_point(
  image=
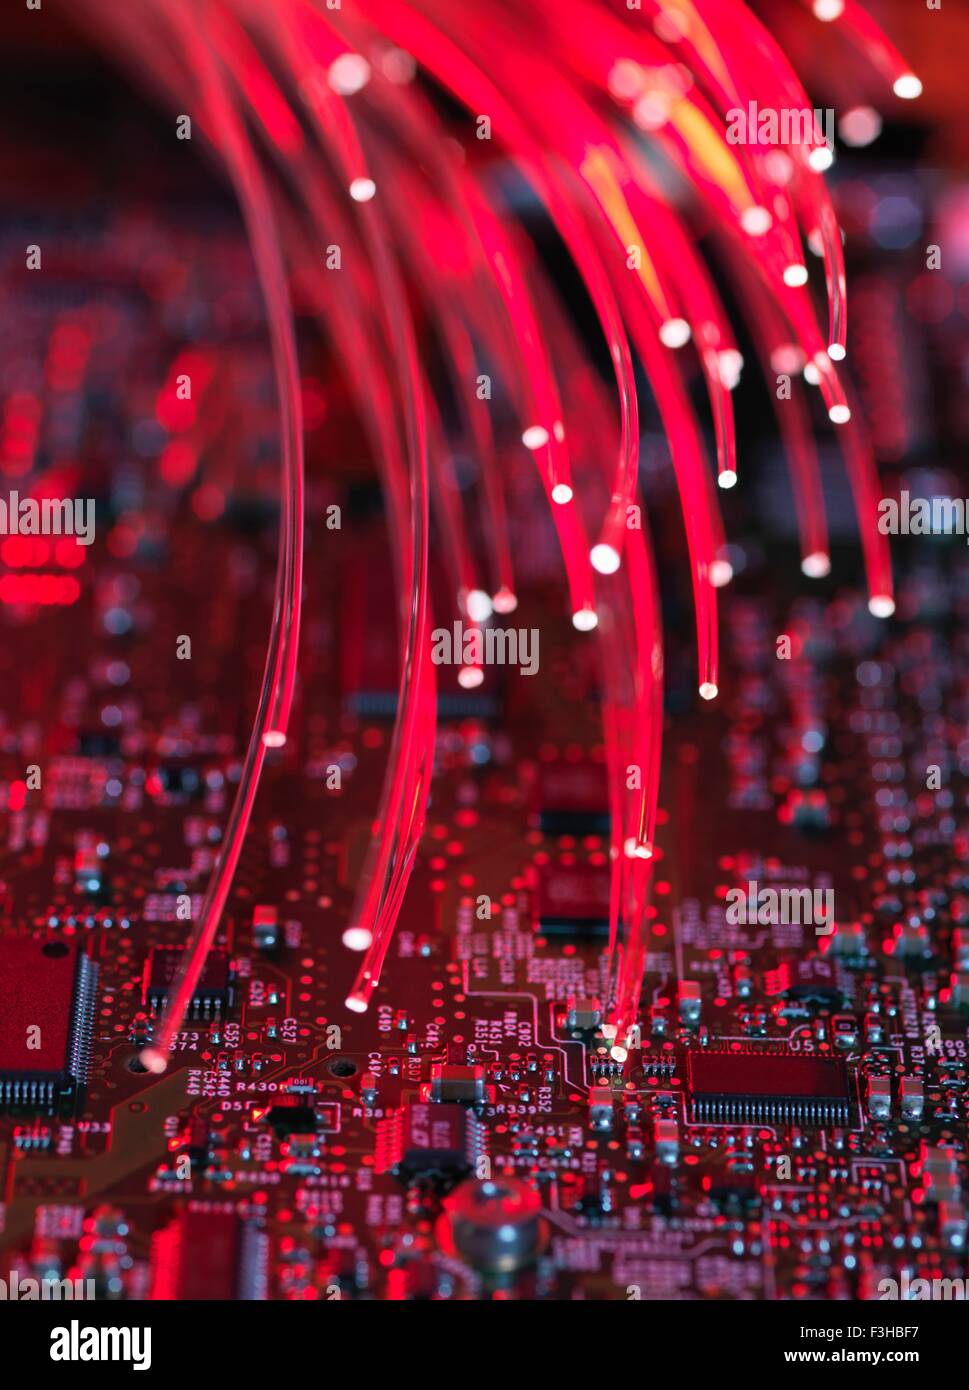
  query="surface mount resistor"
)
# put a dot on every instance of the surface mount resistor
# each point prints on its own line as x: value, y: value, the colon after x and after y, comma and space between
x: 912, y: 1097
x: 601, y: 1108
x: 265, y: 927
x: 666, y: 1137
x: 689, y: 1001
x: 880, y: 1097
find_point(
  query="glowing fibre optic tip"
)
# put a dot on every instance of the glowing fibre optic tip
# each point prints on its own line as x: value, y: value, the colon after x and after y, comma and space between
x: 728, y: 478
x: 618, y: 1054
x: 839, y: 414
x: 795, y: 276
x: 837, y: 352
x: 860, y: 126
x: 787, y: 358
x: 731, y: 365
x: 721, y: 573
x: 397, y: 66
x: 604, y: 558
x: 708, y: 691
x: 820, y: 159
x: 585, y: 620
x: 480, y: 606
x: 362, y: 190
x: 756, y: 221
x: 908, y: 86
x: 674, y: 333
x: 274, y: 738
x: 348, y: 73
x: 153, y: 1061
x: 355, y: 1003
x: 811, y: 374
x: 561, y: 493
x: 827, y: 10
x: 652, y: 111
x: 535, y: 437
x: 357, y: 938
x: 624, y: 80
x: 505, y: 601
x: 881, y: 606
x: 635, y: 849
x: 816, y: 565
x: 469, y: 677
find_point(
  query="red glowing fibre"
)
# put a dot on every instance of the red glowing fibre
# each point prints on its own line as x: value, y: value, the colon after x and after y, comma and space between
x: 860, y: 29
x: 574, y: 108
x: 279, y: 678
x: 772, y: 340
x: 406, y: 788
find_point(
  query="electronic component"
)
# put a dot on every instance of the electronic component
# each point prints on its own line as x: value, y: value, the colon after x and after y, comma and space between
x: 939, y: 1168
x: 572, y: 798
x: 601, y: 1108
x: 213, y: 994
x: 666, y: 1137
x: 208, y: 1255
x: 288, y: 1113
x: 959, y: 988
x: 766, y: 1087
x: 736, y: 1191
x: 265, y: 928
x: 450, y: 1082
x: 912, y: 1097
x: 848, y: 939
x: 47, y: 998
x: 424, y: 1141
x: 583, y: 1015
x: 844, y: 1031
x: 495, y: 1224
x: 572, y: 899
x: 811, y: 980
x: 690, y: 1001
x: 879, y: 1097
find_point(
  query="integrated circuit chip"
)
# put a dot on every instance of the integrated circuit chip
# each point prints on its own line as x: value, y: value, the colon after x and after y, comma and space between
x: 572, y: 899
x: 426, y: 1141
x: 47, y: 996
x: 213, y: 993
x: 209, y: 1255
x: 369, y: 643
x: 763, y: 1087
x: 573, y: 798
x: 290, y: 1114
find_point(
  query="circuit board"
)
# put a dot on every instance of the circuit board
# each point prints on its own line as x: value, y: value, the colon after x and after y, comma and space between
x: 786, y: 1117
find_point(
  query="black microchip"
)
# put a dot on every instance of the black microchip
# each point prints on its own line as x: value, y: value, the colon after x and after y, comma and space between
x: 47, y: 997
x: 573, y: 799
x: 811, y: 981
x: 572, y: 899
x: 735, y: 1191
x: 762, y: 1087
x: 426, y: 1140
x: 289, y: 1114
x: 213, y: 993
x: 98, y: 745
x: 180, y: 783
